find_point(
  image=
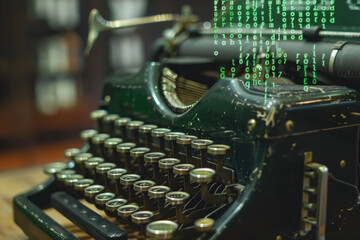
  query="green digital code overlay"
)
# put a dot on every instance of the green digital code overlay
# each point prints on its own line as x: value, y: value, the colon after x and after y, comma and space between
x: 257, y: 31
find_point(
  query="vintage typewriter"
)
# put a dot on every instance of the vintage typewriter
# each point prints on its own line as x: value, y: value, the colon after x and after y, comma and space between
x: 180, y: 153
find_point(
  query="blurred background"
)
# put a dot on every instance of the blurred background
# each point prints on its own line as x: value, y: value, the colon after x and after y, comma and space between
x: 47, y: 86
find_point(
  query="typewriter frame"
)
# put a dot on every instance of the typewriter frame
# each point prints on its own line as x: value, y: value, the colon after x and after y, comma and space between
x: 295, y: 123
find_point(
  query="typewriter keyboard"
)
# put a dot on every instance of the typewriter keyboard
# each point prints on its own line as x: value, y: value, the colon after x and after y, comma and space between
x: 151, y: 182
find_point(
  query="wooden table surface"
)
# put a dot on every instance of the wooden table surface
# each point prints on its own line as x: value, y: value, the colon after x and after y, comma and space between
x: 12, y: 183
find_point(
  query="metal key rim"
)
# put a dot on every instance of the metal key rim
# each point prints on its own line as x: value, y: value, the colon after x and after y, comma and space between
x: 158, y: 194
x: 141, y: 217
x: 165, y: 231
x: 168, y: 163
x: 127, y: 210
x: 102, y: 198
x: 177, y: 197
x: 183, y: 169
x: 202, y: 175
x: 125, y: 147
x: 92, y: 190
x: 118, y: 203
x: 143, y: 188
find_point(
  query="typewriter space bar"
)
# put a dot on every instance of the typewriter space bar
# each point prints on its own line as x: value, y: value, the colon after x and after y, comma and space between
x: 89, y: 221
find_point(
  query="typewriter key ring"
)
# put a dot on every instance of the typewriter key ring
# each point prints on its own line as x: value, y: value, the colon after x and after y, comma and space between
x: 125, y: 211
x: 163, y: 229
x: 124, y: 149
x: 138, y: 155
x: 184, y: 170
x: 146, y: 129
x: 142, y: 187
x: 121, y: 123
x: 113, y: 176
x: 141, y: 218
x: 218, y: 150
x: 178, y: 199
x: 98, y: 143
x: 172, y: 137
x: 112, y: 205
x: 80, y: 160
x: 128, y: 180
x: 91, y: 191
x: 168, y: 164
x: 201, y: 145
x: 185, y: 140
x: 160, y: 133
x: 97, y: 115
x: 109, y: 120
x: 153, y: 158
x: 53, y: 168
x: 133, y: 126
x: 102, y: 198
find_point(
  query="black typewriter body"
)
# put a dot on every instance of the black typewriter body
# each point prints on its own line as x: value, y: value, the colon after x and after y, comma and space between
x: 259, y: 161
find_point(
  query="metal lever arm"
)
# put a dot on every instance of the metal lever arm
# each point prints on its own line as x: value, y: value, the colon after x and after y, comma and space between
x: 98, y: 24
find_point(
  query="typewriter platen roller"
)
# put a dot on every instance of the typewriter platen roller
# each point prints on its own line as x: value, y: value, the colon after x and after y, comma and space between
x: 192, y: 156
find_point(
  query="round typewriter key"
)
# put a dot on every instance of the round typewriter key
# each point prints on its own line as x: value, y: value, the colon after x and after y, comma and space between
x: 104, y: 167
x: 158, y: 191
x: 171, y: 137
x: 200, y: 144
x: 116, y: 173
x: 159, y: 132
x: 185, y: 139
x: 71, y: 152
x: 134, y: 124
x: 80, y: 162
x: 122, y: 121
x: 112, y: 142
x: 88, y: 134
x: 138, y: 155
x: 72, y: 179
x: 112, y: 205
x: 98, y: 143
x: 110, y: 148
x: 202, y: 175
x: 91, y: 191
x: 141, y: 217
x: 153, y: 158
x: 53, y: 168
x: 139, y: 152
x: 61, y: 176
x: 80, y: 185
x: 125, y: 147
x: 183, y: 169
x: 147, y: 128
x: 177, y: 198
x: 109, y: 118
x: 218, y: 149
x: 98, y: 114
x: 90, y: 166
x: 204, y: 224
x: 168, y: 163
x: 101, y: 173
x: 163, y: 229
x: 143, y: 185
x: 129, y: 179
x: 102, y: 198
x: 127, y: 210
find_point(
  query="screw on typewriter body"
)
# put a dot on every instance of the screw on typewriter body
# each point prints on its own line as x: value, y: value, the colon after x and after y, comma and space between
x: 80, y: 185
x: 109, y: 120
x: 172, y: 137
x: 142, y: 187
x: 112, y: 205
x: 121, y: 123
x: 124, y: 213
x: 185, y: 140
x: 153, y: 158
x: 128, y: 180
x: 167, y: 164
x: 204, y: 176
x: 163, y: 229
x: 101, y: 173
x: 146, y: 129
x: 102, y: 198
x: 218, y: 150
x: 201, y: 145
x: 204, y: 224
x: 133, y: 126
x: 53, y: 168
x: 70, y: 153
x: 141, y: 218
x: 159, y: 193
x: 184, y: 170
x: 97, y: 115
x: 90, y: 166
x: 98, y: 143
x: 80, y: 160
x: 160, y: 133
x: 138, y: 155
x: 61, y: 176
x: 124, y: 150
x: 178, y: 199
x: 87, y: 135
x: 110, y: 148
x: 113, y: 177
x: 91, y: 191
